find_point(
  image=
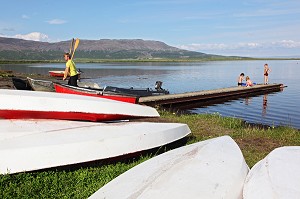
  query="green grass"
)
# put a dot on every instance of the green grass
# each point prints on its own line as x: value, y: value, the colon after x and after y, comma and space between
x: 255, y: 143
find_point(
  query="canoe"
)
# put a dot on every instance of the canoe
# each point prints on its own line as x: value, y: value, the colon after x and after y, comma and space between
x: 212, y: 169
x: 275, y: 176
x: 121, y: 94
x: 60, y: 73
x: 28, y: 145
x: 21, y: 84
x: 41, y: 85
x: 19, y: 104
x: 140, y: 92
x: 64, y: 88
x: 47, y: 85
x: 56, y: 73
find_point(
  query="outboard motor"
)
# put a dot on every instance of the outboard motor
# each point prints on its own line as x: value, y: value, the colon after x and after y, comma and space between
x: 158, y: 85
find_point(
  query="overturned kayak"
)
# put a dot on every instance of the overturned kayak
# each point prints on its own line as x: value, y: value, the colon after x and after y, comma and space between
x: 19, y: 104
x: 275, y: 176
x: 214, y: 168
x: 27, y: 145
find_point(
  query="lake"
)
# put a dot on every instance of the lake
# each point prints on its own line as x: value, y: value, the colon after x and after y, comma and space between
x: 274, y: 109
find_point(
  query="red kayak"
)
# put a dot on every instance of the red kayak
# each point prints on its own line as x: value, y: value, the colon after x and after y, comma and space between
x: 64, y: 88
x: 56, y: 73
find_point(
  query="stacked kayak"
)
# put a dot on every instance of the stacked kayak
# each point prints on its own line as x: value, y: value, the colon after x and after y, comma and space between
x: 214, y: 168
x: 275, y: 176
x: 20, y: 104
x: 27, y: 145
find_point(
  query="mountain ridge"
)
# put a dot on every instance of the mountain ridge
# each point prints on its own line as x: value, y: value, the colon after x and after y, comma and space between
x: 20, y: 49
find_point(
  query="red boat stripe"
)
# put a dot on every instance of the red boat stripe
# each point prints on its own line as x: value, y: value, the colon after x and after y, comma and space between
x: 27, y: 114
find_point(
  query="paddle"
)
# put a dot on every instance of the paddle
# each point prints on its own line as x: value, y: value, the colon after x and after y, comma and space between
x: 75, y: 47
x: 71, y: 46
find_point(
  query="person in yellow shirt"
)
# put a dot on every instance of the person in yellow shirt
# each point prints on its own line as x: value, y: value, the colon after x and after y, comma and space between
x: 70, y: 70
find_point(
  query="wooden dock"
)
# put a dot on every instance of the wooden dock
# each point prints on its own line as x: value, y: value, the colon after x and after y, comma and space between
x: 206, y: 97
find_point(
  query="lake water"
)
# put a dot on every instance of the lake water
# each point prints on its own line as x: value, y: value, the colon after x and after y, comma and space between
x: 274, y: 109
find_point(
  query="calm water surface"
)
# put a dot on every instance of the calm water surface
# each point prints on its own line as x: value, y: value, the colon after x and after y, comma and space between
x: 279, y: 108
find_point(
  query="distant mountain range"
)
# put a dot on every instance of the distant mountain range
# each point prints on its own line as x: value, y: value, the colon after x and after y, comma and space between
x: 19, y: 49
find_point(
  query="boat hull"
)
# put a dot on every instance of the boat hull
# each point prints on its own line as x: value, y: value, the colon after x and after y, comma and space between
x: 18, y: 104
x: 27, y: 145
x: 275, y: 176
x: 56, y: 73
x: 21, y: 84
x: 61, y: 88
x: 47, y: 85
x: 41, y: 85
x: 211, y: 169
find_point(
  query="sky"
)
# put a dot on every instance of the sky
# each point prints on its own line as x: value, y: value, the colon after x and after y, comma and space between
x: 254, y: 28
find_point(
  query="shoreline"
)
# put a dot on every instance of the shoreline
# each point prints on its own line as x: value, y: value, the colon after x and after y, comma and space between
x: 255, y: 142
x: 6, y: 83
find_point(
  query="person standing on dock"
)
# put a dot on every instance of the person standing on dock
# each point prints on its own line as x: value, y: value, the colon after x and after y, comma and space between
x: 267, y: 70
x: 240, y: 79
x: 70, y: 70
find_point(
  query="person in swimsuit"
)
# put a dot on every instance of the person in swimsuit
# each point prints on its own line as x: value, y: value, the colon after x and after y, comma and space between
x: 267, y: 70
x: 248, y: 82
x: 240, y: 79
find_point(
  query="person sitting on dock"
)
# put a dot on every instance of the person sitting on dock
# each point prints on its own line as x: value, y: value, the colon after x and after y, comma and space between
x: 240, y: 79
x: 70, y: 69
x: 248, y: 82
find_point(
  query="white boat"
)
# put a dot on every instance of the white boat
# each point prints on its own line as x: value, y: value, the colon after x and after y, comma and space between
x: 275, y: 176
x: 211, y: 169
x: 20, y: 104
x: 27, y: 145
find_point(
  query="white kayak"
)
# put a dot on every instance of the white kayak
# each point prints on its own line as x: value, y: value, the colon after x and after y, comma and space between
x: 27, y: 145
x: 275, y: 176
x: 20, y: 104
x: 211, y: 169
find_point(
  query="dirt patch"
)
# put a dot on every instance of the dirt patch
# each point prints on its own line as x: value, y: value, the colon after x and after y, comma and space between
x: 155, y: 119
x: 259, y: 144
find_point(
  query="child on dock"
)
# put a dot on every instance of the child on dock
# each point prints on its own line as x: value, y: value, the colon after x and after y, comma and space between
x: 240, y: 79
x: 248, y: 82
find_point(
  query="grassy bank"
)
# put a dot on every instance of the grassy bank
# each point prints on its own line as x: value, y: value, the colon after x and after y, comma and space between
x: 255, y: 143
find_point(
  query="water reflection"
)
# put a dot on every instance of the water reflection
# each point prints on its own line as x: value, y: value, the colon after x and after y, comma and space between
x: 265, y: 104
x: 248, y: 100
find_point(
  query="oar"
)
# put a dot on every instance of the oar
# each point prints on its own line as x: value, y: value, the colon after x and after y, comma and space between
x: 71, y: 46
x: 75, y: 47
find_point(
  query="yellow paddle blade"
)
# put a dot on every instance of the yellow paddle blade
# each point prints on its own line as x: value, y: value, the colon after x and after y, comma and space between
x: 76, y: 44
x: 75, y: 47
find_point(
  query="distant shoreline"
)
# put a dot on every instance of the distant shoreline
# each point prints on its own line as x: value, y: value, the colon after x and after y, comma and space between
x: 136, y: 60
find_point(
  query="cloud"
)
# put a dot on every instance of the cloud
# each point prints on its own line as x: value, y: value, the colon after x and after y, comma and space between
x: 258, y: 49
x: 35, y: 36
x: 56, y: 21
x: 25, y: 17
x: 253, y: 45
